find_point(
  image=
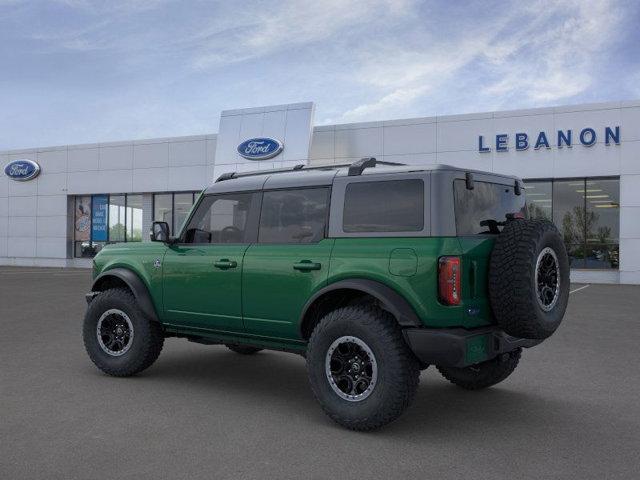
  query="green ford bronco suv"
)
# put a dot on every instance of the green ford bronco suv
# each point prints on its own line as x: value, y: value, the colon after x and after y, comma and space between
x: 371, y: 272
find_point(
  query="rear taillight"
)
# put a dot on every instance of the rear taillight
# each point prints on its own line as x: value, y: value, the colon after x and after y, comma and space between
x: 449, y: 280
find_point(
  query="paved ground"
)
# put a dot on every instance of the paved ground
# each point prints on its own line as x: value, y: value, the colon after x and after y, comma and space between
x: 571, y: 410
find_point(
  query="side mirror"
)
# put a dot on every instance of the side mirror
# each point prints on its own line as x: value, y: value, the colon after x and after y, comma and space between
x: 159, y: 232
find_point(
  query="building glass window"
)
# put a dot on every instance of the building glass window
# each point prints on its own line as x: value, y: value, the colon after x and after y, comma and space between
x: 173, y: 208
x: 102, y: 219
x: 603, y: 223
x: 587, y: 214
x: 117, y: 218
x: 163, y: 208
x: 539, y: 199
x: 82, y: 227
x: 569, y: 217
x: 134, y: 218
x: 182, y: 203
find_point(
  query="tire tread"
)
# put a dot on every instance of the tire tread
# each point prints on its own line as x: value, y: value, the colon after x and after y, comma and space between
x: 406, y: 369
x: 152, y: 340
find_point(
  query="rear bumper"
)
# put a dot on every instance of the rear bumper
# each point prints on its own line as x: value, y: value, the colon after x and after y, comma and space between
x: 459, y: 347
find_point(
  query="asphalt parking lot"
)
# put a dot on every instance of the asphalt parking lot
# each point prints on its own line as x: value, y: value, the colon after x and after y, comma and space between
x: 571, y: 409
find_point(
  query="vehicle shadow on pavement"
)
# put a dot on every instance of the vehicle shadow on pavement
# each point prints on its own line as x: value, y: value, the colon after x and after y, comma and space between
x: 278, y: 382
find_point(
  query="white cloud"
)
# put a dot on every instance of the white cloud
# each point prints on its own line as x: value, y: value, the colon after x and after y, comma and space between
x: 160, y: 68
x: 544, y: 52
x: 263, y: 31
x: 550, y: 61
x: 398, y: 98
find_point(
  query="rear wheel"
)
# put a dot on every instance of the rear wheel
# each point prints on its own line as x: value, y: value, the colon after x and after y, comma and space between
x: 243, y: 349
x: 485, y: 374
x: 360, y: 369
x: 118, y: 337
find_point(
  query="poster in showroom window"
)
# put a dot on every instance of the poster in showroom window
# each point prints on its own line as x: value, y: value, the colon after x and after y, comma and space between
x: 83, y: 219
x: 99, y: 207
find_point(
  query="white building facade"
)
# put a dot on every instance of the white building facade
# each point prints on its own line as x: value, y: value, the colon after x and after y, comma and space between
x: 581, y: 165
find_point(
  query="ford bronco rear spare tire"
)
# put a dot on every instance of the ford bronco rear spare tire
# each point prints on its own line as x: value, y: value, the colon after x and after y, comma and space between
x: 529, y: 278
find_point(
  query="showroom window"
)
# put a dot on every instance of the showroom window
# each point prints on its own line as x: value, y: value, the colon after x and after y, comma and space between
x: 117, y: 218
x: 173, y: 208
x: 587, y: 213
x: 102, y: 219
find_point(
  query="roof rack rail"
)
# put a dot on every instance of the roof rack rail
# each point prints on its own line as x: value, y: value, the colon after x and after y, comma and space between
x: 230, y: 175
x: 226, y: 176
x: 355, y: 168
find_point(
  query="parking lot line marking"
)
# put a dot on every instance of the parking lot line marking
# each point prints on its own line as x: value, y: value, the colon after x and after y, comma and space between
x: 579, y: 288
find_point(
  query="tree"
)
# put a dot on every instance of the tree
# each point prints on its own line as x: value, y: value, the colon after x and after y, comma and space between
x: 577, y: 223
x: 604, y: 234
x: 116, y: 233
x: 536, y: 212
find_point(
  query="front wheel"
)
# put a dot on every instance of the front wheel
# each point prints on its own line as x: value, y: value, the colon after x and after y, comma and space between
x: 120, y: 340
x: 485, y: 374
x: 361, y: 371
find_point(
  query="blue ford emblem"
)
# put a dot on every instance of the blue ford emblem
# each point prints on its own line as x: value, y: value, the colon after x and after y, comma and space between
x: 260, y: 148
x: 22, y: 170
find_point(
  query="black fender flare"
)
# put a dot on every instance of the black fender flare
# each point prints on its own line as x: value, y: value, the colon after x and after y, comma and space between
x: 135, y: 284
x: 389, y: 299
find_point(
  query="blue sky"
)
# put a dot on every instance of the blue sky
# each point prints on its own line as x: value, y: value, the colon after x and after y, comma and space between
x: 77, y: 71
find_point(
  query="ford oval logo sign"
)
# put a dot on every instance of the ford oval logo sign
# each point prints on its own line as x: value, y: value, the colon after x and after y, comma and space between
x: 22, y: 170
x: 260, y: 148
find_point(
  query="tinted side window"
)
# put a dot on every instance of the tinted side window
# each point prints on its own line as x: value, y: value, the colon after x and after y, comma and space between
x: 294, y: 216
x: 389, y: 206
x: 220, y: 219
x: 487, y: 203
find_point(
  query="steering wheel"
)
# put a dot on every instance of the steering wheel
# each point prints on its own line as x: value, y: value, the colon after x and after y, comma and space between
x: 230, y: 233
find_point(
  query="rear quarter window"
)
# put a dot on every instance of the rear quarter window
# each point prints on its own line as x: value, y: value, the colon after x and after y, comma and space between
x: 483, y: 209
x: 384, y: 206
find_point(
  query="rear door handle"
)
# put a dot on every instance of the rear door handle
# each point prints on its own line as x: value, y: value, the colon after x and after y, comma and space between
x: 225, y: 263
x: 306, y: 265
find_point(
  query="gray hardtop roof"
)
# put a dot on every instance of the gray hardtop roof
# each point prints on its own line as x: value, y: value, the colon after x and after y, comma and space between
x: 324, y: 175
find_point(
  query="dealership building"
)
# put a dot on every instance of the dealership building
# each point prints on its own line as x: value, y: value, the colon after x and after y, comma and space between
x: 581, y: 165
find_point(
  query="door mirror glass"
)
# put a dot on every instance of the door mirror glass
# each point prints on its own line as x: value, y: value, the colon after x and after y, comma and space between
x: 159, y: 232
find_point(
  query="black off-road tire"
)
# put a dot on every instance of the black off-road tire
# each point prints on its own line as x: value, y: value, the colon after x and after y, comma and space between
x: 483, y: 374
x: 148, y: 337
x: 243, y: 349
x: 513, y: 291
x: 398, y: 369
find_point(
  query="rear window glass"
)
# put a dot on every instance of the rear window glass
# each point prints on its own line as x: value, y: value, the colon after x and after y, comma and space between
x: 390, y: 206
x: 484, y: 209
